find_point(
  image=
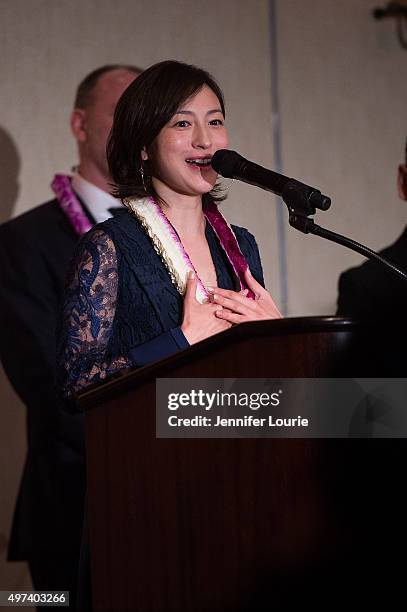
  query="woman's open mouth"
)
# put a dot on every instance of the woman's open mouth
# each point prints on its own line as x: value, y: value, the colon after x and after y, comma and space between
x: 199, y: 162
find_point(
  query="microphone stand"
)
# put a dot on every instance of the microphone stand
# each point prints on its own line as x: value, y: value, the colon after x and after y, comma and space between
x: 299, y: 203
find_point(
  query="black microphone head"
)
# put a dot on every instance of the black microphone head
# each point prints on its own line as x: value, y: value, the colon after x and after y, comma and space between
x: 224, y: 162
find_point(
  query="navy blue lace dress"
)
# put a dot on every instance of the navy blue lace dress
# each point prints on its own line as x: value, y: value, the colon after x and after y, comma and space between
x: 120, y: 307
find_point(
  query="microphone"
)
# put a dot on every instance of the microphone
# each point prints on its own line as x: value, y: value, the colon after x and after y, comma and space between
x: 296, y: 195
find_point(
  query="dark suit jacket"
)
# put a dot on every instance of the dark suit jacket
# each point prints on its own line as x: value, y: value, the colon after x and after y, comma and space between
x: 35, y: 250
x: 370, y: 292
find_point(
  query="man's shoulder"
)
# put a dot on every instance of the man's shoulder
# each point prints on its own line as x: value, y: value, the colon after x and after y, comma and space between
x: 397, y: 252
x: 371, y: 291
x: 371, y: 270
x: 45, y: 221
x: 37, y: 216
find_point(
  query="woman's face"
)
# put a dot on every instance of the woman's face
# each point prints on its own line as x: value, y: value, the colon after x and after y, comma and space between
x: 180, y: 155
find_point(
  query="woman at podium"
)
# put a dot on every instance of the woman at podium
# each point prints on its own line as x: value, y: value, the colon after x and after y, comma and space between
x: 168, y: 270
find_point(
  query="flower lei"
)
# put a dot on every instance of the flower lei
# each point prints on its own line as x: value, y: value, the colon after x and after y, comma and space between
x: 69, y: 203
x: 171, y: 251
x: 162, y: 234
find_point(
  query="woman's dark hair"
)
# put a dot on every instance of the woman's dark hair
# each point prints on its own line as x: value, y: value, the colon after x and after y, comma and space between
x: 142, y: 111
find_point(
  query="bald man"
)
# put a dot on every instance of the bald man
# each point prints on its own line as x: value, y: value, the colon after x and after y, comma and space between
x: 35, y: 250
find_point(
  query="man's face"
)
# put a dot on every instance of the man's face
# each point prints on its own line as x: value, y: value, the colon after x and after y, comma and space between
x: 92, y: 125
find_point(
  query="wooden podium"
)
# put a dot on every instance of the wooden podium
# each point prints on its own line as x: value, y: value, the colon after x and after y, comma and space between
x: 192, y: 525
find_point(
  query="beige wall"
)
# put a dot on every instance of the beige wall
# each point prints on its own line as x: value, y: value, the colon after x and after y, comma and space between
x: 344, y: 123
x: 342, y: 95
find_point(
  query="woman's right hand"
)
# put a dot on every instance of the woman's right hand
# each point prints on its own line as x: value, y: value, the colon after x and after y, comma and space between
x: 200, y: 320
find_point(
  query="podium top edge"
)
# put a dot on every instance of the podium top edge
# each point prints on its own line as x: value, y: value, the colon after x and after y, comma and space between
x: 277, y: 327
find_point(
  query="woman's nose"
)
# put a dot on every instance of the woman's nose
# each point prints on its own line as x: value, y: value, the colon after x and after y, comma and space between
x: 201, y: 137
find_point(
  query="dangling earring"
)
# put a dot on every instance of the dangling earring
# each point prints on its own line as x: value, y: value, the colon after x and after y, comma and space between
x: 142, y: 178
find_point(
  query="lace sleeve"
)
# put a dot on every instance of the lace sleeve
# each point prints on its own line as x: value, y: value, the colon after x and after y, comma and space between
x: 87, y: 317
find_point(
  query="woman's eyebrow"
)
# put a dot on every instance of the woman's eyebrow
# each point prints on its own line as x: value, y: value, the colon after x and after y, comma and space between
x: 210, y: 112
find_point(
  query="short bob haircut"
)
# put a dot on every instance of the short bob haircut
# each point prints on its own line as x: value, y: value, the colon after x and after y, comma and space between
x: 143, y: 110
